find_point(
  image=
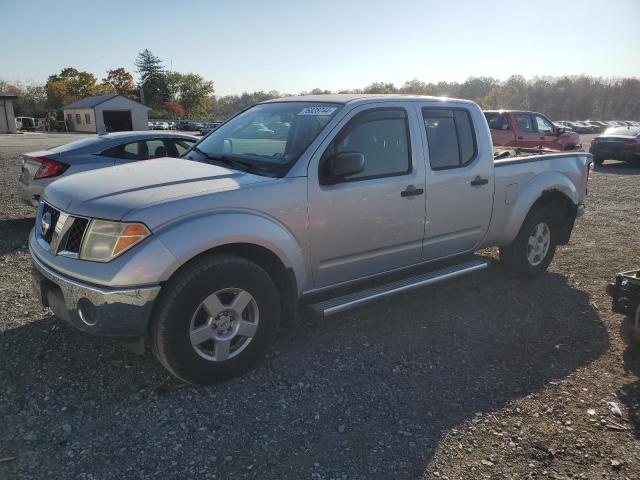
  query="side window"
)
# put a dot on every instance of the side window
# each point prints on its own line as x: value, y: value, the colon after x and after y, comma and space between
x: 524, y: 122
x: 497, y: 121
x: 156, y: 148
x: 450, y: 137
x: 382, y: 136
x: 78, y: 119
x: 128, y: 151
x: 87, y: 118
x: 544, y: 125
x: 182, y: 146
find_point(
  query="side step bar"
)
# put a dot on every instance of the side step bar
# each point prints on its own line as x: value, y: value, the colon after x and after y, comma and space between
x: 356, y: 299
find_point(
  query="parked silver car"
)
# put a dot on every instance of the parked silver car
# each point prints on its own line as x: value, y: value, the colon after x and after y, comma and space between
x: 41, y: 168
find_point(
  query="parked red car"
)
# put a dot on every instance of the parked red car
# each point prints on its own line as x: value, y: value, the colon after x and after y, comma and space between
x: 514, y: 128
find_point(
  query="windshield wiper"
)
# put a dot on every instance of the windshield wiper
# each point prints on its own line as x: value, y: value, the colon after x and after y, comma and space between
x: 228, y: 161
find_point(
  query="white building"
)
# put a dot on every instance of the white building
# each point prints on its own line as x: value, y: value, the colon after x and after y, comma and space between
x: 7, y: 119
x: 106, y: 113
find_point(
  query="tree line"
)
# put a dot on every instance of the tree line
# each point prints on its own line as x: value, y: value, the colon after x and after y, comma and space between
x: 173, y: 94
x: 579, y: 97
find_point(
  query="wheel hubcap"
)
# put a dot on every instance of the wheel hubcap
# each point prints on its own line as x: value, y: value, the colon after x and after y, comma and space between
x: 224, y: 324
x: 538, y: 244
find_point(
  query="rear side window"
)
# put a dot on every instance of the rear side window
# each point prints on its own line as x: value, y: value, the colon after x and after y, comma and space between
x: 524, y: 122
x: 450, y: 137
x: 156, y: 148
x: 182, y: 146
x: 497, y: 121
x: 129, y: 151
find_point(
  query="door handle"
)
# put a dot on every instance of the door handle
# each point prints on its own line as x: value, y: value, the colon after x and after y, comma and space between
x: 476, y: 182
x: 520, y: 137
x: 412, y: 191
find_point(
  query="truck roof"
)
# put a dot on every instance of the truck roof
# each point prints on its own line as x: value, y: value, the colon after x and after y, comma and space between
x: 345, y: 98
x: 511, y: 111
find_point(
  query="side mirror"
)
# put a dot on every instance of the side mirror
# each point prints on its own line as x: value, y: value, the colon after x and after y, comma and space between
x: 561, y: 130
x: 343, y: 165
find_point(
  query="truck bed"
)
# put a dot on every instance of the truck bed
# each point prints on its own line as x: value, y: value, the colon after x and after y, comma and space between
x: 522, y: 176
x: 500, y: 153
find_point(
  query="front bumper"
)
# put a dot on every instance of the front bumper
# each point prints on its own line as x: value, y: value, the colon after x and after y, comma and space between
x: 102, y: 311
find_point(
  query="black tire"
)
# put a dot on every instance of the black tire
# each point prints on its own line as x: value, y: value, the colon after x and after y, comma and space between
x: 515, y: 255
x: 598, y: 160
x: 629, y: 332
x: 181, y: 298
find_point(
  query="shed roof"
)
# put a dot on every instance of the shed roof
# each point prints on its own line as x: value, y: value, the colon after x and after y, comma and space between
x: 90, y: 102
x: 7, y: 95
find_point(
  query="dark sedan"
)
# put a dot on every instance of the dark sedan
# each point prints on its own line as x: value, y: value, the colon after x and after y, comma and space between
x: 617, y: 143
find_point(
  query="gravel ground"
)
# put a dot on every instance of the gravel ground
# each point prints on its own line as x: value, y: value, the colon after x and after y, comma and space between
x: 489, y: 376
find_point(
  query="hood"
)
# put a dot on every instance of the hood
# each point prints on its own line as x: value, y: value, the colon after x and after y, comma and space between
x: 111, y: 192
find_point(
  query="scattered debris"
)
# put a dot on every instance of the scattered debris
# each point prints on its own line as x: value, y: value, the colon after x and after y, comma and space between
x: 615, y: 410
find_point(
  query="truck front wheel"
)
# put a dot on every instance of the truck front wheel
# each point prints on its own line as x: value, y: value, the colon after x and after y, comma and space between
x: 533, y: 249
x: 215, y: 319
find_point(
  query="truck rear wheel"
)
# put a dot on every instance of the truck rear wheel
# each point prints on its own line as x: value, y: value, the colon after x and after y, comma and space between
x: 533, y: 249
x: 215, y: 319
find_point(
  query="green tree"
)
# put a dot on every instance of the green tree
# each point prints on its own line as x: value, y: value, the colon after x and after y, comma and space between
x: 416, y: 87
x: 104, y: 89
x: 192, y: 91
x: 153, y: 80
x: 380, y: 87
x: 69, y: 86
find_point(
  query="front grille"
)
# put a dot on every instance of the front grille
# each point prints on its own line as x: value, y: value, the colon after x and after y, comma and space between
x: 55, y: 214
x: 65, y: 233
x: 74, y: 237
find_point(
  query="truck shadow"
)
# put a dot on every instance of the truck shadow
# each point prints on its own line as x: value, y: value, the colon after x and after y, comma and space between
x: 14, y: 233
x: 371, y: 391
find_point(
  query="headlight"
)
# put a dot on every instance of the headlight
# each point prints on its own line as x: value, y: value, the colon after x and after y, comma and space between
x: 104, y: 241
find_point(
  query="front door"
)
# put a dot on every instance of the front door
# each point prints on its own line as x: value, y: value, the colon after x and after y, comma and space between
x: 372, y: 221
x: 547, y: 133
x: 460, y: 180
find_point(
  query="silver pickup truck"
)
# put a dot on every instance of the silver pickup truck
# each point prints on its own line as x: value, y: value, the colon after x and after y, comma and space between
x: 329, y: 201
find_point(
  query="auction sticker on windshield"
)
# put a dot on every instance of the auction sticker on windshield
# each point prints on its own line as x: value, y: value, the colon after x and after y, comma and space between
x: 320, y: 111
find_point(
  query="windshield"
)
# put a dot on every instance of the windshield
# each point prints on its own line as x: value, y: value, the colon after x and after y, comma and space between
x: 269, y: 137
x: 77, y: 144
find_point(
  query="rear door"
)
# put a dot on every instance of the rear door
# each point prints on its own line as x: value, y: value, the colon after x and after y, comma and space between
x: 501, y: 133
x: 526, y: 133
x: 459, y: 179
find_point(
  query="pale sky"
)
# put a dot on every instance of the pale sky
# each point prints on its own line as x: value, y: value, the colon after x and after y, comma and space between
x: 296, y: 45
